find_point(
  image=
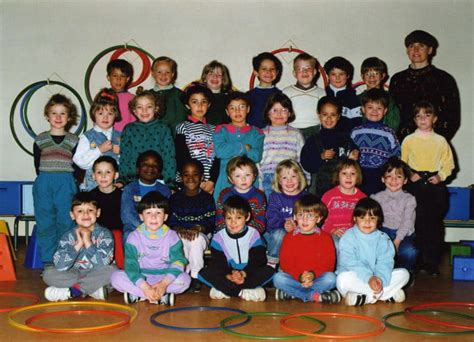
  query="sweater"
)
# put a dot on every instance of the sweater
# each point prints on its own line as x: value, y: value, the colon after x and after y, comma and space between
x: 305, y: 103
x: 56, y: 157
x: 428, y: 152
x: 313, y: 252
x: 110, y: 205
x: 366, y: 254
x: 258, y: 98
x: 351, y: 115
x: 124, y: 98
x: 174, y: 112
x: 216, y: 114
x: 280, y: 208
x: 398, y: 211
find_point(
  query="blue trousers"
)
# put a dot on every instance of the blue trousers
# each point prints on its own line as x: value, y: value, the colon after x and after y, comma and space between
x: 407, y: 252
x: 286, y: 283
x: 52, y: 196
x: 274, y: 239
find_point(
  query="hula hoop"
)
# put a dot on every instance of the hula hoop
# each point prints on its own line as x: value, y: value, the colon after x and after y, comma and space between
x: 258, y: 337
x: 410, y: 310
x: 194, y: 308
x: 87, y: 77
x: 22, y: 295
x: 22, y: 326
x: 377, y: 323
x: 145, y: 61
x: 320, y: 68
x: 125, y: 320
x: 82, y: 124
x: 24, y: 118
x: 424, y: 332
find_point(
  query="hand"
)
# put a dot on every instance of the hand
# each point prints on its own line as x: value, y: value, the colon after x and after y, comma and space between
x: 160, y: 288
x: 188, y: 234
x: 328, y: 154
x: 415, y: 177
x: 375, y: 284
x: 237, y: 277
x: 338, y: 232
x: 116, y: 149
x: 79, y: 242
x: 307, y: 279
x: 149, y: 292
x: 434, y: 179
x: 86, y: 236
x: 289, y: 225
x: 354, y: 155
x: 248, y: 147
x: 208, y: 186
x: 396, y: 243
x: 119, y: 185
x: 105, y: 146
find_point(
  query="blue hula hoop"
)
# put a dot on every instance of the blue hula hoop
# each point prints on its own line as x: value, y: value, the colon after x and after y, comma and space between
x: 26, y: 125
x: 196, y: 308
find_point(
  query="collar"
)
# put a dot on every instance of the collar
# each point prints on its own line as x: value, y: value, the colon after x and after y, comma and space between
x: 299, y: 86
x: 238, y: 235
x: 146, y: 185
x: 422, y: 134
x: 336, y: 90
x: 259, y: 87
x: 193, y: 119
x: 232, y: 129
x: 158, y: 88
x: 153, y: 235
x: 107, y: 132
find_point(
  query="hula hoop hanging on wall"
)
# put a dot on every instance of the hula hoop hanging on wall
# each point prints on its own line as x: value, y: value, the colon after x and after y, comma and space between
x: 25, y: 96
x: 118, y: 51
x: 290, y: 49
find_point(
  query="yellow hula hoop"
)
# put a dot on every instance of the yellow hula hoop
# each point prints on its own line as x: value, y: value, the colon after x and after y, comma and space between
x: 133, y: 315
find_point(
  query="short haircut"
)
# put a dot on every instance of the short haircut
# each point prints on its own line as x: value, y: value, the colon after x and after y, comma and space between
x: 241, y: 161
x: 329, y: 100
x: 196, y: 88
x: 172, y: 63
x: 345, y: 164
x: 375, y: 95
x: 125, y: 67
x: 226, y: 80
x: 339, y: 62
x: 153, y: 199
x: 192, y: 162
x: 59, y: 99
x: 257, y: 61
x: 285, y: 102
x: 292, y: 165
x: 369, y: 206
x: 314, y: 63
x: 157, y: 99
x: 374, y: 63
x: 147, y: 154
x: 236, y: 203
x: 394, y: 163
x: 310, y: 203
x: 84, y: 197
x: 237, y: 95
x: 423, y: 37
x: 105, y: 97
x: 426, y: 106
x: 106, y: 159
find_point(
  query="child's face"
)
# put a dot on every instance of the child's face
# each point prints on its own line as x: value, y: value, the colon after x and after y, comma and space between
x: 419, y: 53
x: 329, y: 116
x: 394, y: 180
x: 348, y: 178
x: 338, y: 78
x: 198, y: 104
x: 214, y: 80
x: 85, y: 215
x: 278, y: 115
x: 304, y: 73
x: 192, y: 179
x: 105, y: 117
x: 374, y: 111
x: 242, y: 178
x: 237, y: 111
x: 153, y: 218
x: 235, y: 221
x: 104, y: 174
x: 148, y: 170
x: 58, y: 117
x: 307, y: 221
x: 373, y: 79
x: 367, y: 224
x: 289, y: 182
x: 162, y: 74
x: 117, y: 79
x: 266, y: 73
x: 424, y: 120
x: 145, y: 109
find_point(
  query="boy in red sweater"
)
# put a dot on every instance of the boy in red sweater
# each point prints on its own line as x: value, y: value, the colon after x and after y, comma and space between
x: 307, y: 257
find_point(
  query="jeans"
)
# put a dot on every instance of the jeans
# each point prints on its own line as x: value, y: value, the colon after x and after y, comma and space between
x: 407, y: 252
x: 274, y: 239
x: 286, y: 283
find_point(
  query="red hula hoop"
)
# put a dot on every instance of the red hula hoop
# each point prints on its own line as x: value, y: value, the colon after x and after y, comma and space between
x: 146, y: 64
x: 410, y: 310
x: 22, y: 295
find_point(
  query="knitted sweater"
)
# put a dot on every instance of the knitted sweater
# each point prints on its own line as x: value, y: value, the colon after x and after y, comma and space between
x: 175, y: 111
x: 258, y: 99
x: 280, y: 208
x: 305, y: 103
x: 56, y: 157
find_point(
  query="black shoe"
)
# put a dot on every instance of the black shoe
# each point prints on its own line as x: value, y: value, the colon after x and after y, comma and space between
x: 282, y: 296
x: 330, y: 297
x: 195, y: 286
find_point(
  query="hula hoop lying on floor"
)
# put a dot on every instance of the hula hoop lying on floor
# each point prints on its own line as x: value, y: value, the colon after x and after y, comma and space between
x: 17, y: 294
x: 410, y: 312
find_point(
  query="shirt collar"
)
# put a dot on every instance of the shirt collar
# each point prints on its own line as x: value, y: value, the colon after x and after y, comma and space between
x: 193, y: 119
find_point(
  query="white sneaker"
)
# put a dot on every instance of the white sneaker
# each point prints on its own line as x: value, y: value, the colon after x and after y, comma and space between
x: 57, y: 294
x: 167, y: 299
x: 216, y: 294
x: 355, y: 299
x: 398, y: 297
x: 255, y: 295
x: 100, y: 294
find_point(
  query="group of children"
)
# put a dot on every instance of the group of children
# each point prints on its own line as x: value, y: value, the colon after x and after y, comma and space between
x: 264, y: 179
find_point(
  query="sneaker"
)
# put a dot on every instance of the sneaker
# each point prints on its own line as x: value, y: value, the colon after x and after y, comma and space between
x: 330, y: 297
x: 398, y: 297
x: 195, y: 286
x: 57, y: 294
x: 100, y: 294
x: 281, y: 295
x: 216, y: 294
x: 128, y: 298
x: 255, y: 295
x: 355, y: 299
x: 167, y: 299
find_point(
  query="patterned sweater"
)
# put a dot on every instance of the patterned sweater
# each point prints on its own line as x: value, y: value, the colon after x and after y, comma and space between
x: 280, y: 208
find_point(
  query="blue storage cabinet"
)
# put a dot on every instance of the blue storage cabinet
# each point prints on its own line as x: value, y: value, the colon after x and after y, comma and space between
x: 459, y: 204
x: 16, y: 198
x: 463, y: 268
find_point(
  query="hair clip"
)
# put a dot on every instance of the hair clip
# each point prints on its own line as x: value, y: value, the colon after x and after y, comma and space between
x: 108, y: 95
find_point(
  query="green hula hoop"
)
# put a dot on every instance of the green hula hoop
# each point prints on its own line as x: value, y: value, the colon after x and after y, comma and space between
x: 263, y: 337
x: 425, y: 332
x: 87, y: 77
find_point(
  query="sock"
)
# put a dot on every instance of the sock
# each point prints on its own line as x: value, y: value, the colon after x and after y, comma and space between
x: 75, y: 291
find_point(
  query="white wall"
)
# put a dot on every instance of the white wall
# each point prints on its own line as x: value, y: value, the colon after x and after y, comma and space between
x: 40, y: 38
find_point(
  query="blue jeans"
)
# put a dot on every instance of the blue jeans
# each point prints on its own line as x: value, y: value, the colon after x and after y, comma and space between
x: 266, y: 185
x: 407, y: 252
x: 274, y: 238
x: 286, y: 283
